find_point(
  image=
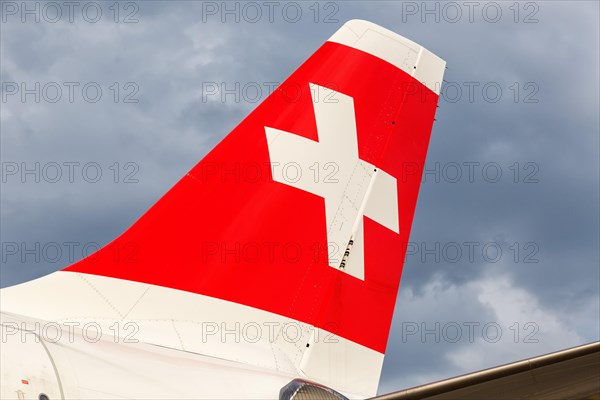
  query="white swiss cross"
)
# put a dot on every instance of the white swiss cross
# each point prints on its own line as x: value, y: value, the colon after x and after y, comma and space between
x: 330, y: 168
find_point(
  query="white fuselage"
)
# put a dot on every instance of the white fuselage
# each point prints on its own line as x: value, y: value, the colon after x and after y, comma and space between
x: 71, y: 364
x: 113, y: 338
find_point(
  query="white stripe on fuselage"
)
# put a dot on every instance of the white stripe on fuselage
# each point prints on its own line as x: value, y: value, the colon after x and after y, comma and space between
x: 193, y: 323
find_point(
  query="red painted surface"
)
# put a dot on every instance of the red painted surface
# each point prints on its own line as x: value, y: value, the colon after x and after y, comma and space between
x: 227, y: 230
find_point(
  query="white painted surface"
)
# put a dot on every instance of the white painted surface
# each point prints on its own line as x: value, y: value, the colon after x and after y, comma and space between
x: 395, y: 49
x: 140, y: 317
x: 346, y: 192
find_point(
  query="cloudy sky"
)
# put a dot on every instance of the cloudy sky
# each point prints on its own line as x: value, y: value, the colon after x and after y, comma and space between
x: 504, y: 254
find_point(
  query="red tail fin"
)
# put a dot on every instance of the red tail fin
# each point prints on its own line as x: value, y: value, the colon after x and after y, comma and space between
x: 264, y: 217
x: 303, y: 209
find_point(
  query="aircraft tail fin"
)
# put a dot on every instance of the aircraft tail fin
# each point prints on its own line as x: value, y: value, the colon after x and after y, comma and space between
x: 297, y: 217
